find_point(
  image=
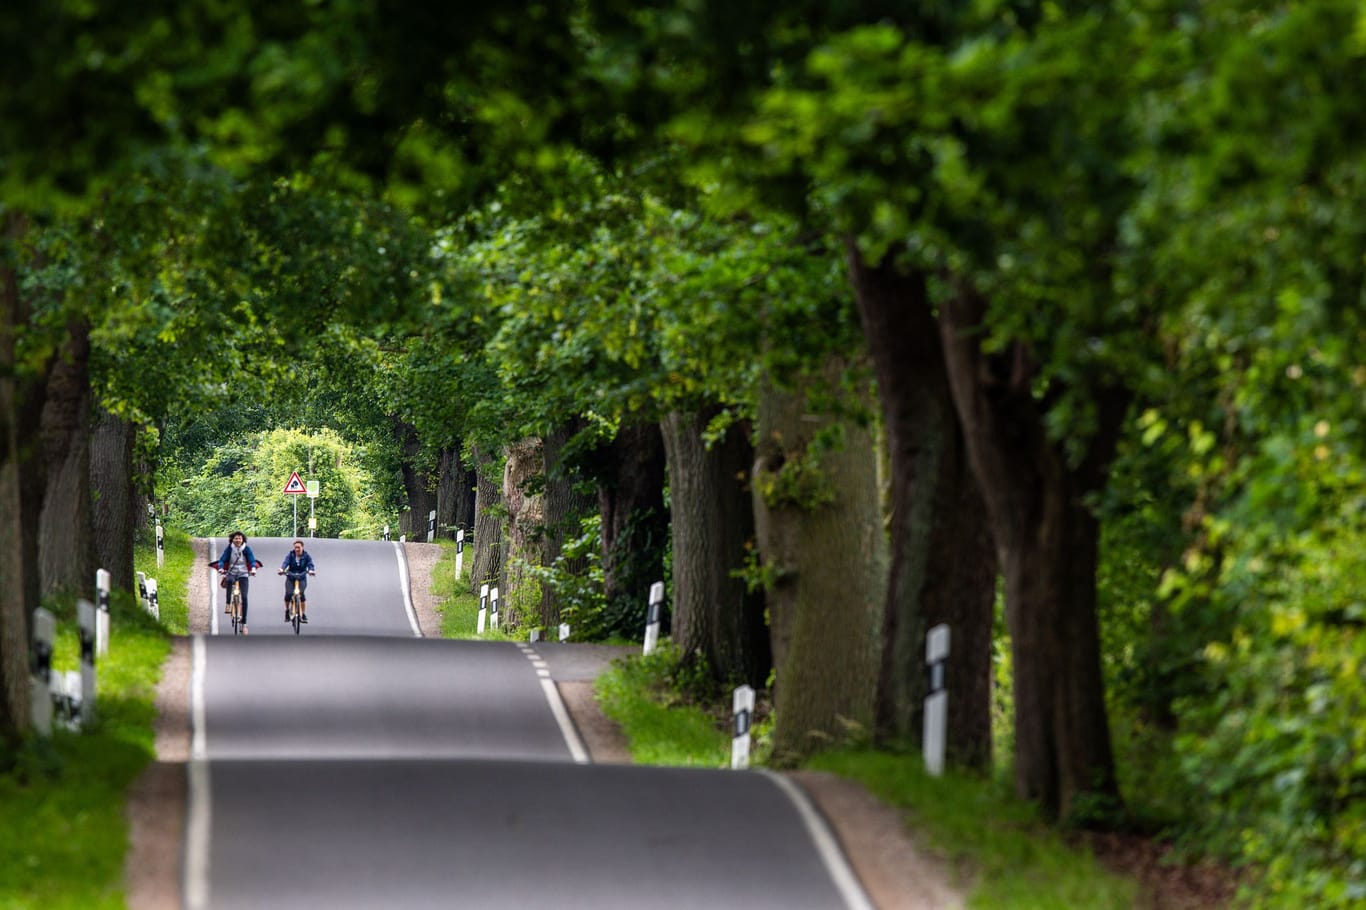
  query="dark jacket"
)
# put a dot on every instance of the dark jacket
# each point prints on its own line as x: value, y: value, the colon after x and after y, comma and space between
x: 296, y: 567
x: 248, y: 557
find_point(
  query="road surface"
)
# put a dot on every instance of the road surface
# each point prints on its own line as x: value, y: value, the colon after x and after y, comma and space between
x: 360, y: 765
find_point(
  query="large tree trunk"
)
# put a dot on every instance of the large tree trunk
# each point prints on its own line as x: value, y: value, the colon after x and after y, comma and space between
x: 489, y: 542
x: 567, y: 503
x: 114, y: 504
x: 635, y: 524
x: 1046, y: 538
x: 820, y: 533
x: 22, y: 482
x: 716, y: 616
x: 65, y: 542
x: 943, y: 565
x: 447, y: 491
x: 417, y: 483
x: 522, y: 596
x: 465, y: 496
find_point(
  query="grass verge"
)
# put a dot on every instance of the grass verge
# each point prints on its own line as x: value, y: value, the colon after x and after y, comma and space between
x: 458, y: 607
x: 63, y: 833
x: 1012, y: 859
x: 661, y: 727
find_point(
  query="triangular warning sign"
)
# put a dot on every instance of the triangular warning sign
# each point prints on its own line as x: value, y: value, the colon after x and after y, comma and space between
x: 295, y: 485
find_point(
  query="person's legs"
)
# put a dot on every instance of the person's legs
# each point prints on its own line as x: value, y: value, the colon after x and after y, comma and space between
x: 303, y: 599
x: 244, y: 580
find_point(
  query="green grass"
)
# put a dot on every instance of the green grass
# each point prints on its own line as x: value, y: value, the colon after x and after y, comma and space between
x: 1016, y: 861
x: 172, y: 578
x: 63, y: 834
x: 459, y: 608
x: 660, y: 728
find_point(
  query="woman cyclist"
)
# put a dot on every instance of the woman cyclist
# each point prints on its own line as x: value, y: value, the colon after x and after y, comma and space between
x: 298, y: 565
x: 237, y: 564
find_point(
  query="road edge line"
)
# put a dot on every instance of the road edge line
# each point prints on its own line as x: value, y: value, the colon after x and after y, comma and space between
x: 827, y: 845
x: 200, y: 810
x: 407, y: 594
x: 567, y: 730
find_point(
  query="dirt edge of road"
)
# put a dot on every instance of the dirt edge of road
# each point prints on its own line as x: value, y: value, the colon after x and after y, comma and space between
x: 896, y: 873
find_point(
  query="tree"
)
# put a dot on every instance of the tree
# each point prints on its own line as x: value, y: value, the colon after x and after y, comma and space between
x: 816, y: 503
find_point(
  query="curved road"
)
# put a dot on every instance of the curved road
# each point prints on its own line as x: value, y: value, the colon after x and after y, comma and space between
x: 359, y: 765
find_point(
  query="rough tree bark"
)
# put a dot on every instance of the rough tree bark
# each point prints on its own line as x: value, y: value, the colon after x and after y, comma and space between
x: 566, y: 504
x: 526, y: 517
x: 943, y: 564
x: 66, y: 551
x: 464, y: 494
x: 417, y: 483
x: 1047, y: 542
x: 447, y: 491
x: 113, y: 505
x: 22, y: 481
x: 716, y: 616
x: 489, y: 542
x: 630, y: 473
x: 19, y: 459
x: 819, y: 528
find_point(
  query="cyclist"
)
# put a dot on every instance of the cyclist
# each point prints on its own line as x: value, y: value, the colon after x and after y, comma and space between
x: 298, y: 564
x: 237, y: 564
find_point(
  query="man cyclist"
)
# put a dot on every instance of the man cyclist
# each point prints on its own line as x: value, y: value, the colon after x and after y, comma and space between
x: 298, y: 565
x: 237, y: 564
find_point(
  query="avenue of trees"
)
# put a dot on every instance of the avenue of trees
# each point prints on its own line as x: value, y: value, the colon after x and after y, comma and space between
x: 844, y: 319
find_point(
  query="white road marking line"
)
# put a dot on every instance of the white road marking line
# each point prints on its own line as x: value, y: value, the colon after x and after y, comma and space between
x: 571, y: 736
x: 543, y: 673
x: 200, y: 795
x: 403, y: 583
x: 846, y: 882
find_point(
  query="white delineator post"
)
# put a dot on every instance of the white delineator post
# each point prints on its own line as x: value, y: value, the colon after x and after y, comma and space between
x: 161, y: 545
x: 40, y: 666
x: 652, y: 616
x: 142, y: 588
x: 102, y: 580
x: 742, y: 704
x: 431, y: 526
x: 386, y: 532
x: 937, y: 701
x: 153, y: 606
x: 564, y: 631
x: 493, y: 607
x: 483, y: 607
x: 459, y: 553
x: 85, y: 615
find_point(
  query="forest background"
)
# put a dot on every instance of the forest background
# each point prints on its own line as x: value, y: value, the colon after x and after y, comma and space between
x: 1038, y: 319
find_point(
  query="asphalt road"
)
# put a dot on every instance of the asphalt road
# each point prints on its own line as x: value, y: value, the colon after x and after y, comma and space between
x: 357, y: 765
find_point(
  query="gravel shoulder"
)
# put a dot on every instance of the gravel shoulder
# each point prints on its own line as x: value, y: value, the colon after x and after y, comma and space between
x: 896, y: 872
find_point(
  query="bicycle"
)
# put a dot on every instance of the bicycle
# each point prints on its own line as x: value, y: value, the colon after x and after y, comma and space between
x: 295, y: 611
x: 235, y: 606
x: 294, y: 607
